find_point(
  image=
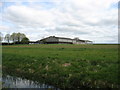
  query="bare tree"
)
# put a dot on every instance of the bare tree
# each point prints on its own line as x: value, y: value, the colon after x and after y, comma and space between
x: 7, y: 38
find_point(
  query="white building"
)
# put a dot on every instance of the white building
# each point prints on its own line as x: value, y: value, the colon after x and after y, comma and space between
x: 62, y: 40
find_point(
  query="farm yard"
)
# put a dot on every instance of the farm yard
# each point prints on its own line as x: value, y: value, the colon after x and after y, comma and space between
x: 63, y: 65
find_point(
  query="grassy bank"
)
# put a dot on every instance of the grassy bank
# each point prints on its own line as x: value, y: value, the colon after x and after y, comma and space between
x: 64, y: 66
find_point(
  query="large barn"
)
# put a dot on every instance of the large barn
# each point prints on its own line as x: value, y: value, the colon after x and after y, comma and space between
x: 62, y: 40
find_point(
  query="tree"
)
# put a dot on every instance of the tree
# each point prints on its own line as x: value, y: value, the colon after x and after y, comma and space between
x: 25, y: 40
x: 1, y: 38
x: 7, y: 38
x: 17, y: 37
x: 76, y: 38
x: 13, y: 37
x: 20, y: 36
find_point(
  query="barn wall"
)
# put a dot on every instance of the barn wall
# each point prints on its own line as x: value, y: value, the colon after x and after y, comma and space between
x: 74, y: 41
x: 64, y: 40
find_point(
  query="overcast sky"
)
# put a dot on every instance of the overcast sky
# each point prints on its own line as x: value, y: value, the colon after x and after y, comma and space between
x: 95, y: 20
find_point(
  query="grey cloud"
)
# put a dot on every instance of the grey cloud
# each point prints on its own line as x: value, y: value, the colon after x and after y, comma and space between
x: 66, y: 20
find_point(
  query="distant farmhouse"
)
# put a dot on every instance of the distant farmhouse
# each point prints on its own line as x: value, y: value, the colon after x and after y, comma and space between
x: 62, y: 40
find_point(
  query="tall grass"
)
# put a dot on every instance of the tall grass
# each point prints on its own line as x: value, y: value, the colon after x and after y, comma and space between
x: 64, y: 66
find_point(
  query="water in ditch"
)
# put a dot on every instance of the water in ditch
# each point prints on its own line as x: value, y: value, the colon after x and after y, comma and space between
x: 17, y: 82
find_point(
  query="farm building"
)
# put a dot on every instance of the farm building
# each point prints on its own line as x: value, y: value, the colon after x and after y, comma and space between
x: 62, y: 40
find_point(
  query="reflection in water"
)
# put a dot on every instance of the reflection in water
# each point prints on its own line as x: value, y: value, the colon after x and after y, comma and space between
x: 16, y: 82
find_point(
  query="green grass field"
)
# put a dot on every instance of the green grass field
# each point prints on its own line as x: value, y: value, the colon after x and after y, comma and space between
x: 64, y: 66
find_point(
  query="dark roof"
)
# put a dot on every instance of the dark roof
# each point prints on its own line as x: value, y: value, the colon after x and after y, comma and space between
x: 43, y: 39
x: 81, y: 40
x: 56, y: 37
x: 65, y: 38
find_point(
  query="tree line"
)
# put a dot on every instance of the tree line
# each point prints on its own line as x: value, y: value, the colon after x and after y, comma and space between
x: 16, y: 38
